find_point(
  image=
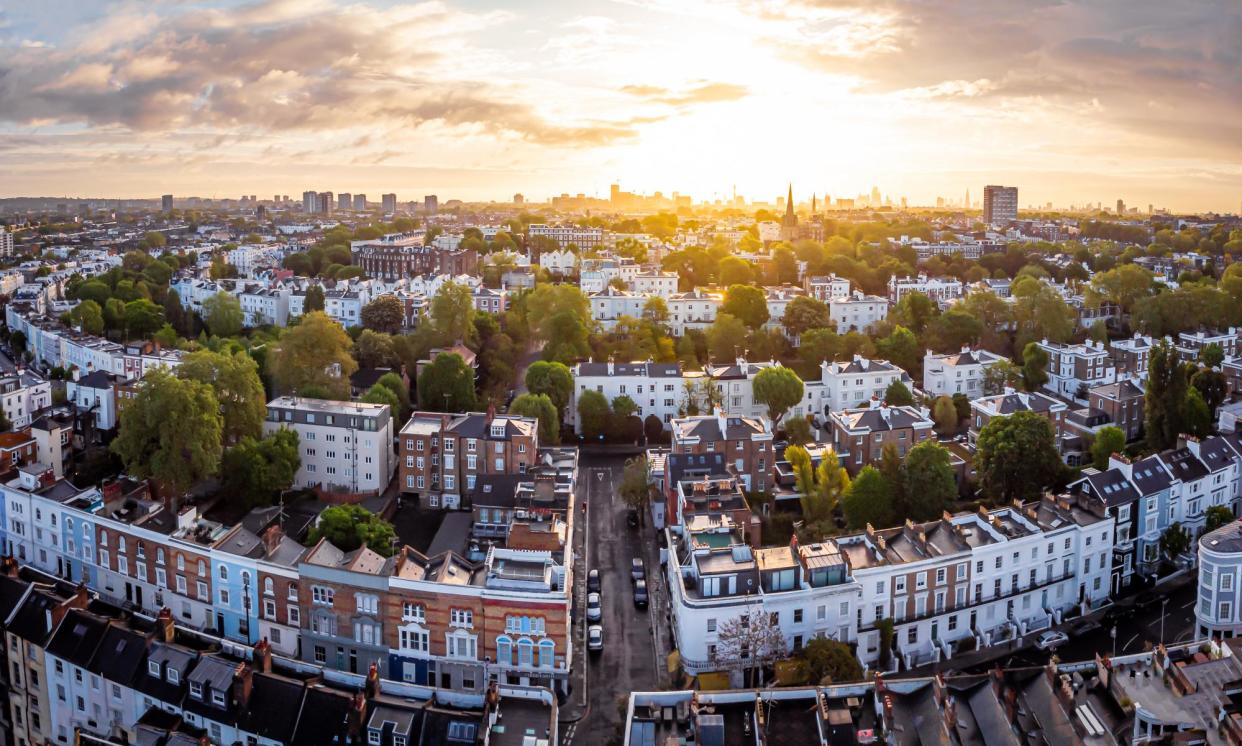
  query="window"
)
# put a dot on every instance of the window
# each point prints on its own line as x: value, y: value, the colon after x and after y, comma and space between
x: 1226, y: 581
x: 269, y: 588
x: 413, y: 612
x: 224, y: 596
x: 224, y: 572
x: 416, y: 640
x: 202, y: 590
x: 366, y: 603
x: 196, y: 690
x: 293, y: 592
x: 322, y: 595
x: 1226, y: 611
x: 153, y: 668
x: 461, y: 618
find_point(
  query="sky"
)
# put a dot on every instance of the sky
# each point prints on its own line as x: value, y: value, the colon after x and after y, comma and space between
x: 1071, y: 101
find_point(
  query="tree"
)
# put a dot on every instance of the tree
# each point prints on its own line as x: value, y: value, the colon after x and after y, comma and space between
x: 734, y: 270
x: 902, y: 349
x: 1034, y: 366
x: 819, y: 345
x: 869, y: 500
x: 953, y: 330
x: 897, y: 395
x: 222, y: 313
x: 1108, y: 440
x: 1016, y: 457
x: 378, y: 394
x: 541, y: 408
x: 314, y: 298
x: 446, y: 384
x: 554, y: 380
x: 568, y: 338
x: 944, y: 414
x: 1001, y: 375
x: 385, y: 314
x: 914, y: 311
x: 1213, y: 386
x: 831, y: 662
x: 635, y: 488
x: 593, y: 413
x: 1165, y: 398
x: 653, y: 429
x: 397, y: 385
x: 799, y: 432
x: 1041, y: 312
x: 749, y: 641
x: 821, y: 489
x: 1123, y: 285
x: 1217, y: 516
x: 930, y: 487
x: 256, y: 470
x: 170, y: 431
x: 623, y: 406
x: 778, y: 388
x: 376, y: 350
x: 143, y: 318
x: 315, y: 353
x: 1175, y: 541
x: 234, y: 378
x: 349, y: 527
x: 89, y: 316
x: 746, y: 303
x: 1211, y: 355
x: 726, y: 337
x: 804, y: 313
x: 1198, y: 419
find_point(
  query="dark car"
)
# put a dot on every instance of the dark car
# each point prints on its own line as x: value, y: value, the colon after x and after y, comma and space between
x: 640, y: 594
x: 1147, y: 599
x: 637, y: 571
x: 631, y: 519
x: 593, y: 581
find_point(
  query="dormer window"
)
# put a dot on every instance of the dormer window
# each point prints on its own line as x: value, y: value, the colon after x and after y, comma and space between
x: 153, y: 668
x: 373, y: 736
x: 173, y: 676
x: 196, y: 690
x: 217, y: 699
x: 498, y: 429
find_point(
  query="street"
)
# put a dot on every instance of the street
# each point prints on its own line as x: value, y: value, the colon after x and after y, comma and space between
x: 629, y: 659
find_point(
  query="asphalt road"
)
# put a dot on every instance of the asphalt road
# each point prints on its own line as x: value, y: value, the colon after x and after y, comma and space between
x: 6, y: 365
x: 628, y: 661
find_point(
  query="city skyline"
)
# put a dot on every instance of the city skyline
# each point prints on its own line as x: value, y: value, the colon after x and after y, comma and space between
x: 477, y: 101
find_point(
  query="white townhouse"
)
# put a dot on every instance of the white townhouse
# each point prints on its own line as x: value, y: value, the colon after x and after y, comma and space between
x: 1218, y: 608
x: 778, y: 300
x: 610, y: 304
x: 663, y: 284
x: 1074, y: 368
x: 560, y: 261
x: 657, y: 388
x: 827, y: 287
x: 942, y: 290
x: 345, y: 446
x: 957, y: 372
x: 261, y: 306
x: 851, y: 383
x: 975, y: 578
x: 22, y: 394
x: 694, y: 309
x: 857, y: 312
x: 583, y: 238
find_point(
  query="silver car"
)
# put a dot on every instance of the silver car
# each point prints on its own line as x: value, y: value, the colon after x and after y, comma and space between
x: 595, y: 609
x: 595, y: 638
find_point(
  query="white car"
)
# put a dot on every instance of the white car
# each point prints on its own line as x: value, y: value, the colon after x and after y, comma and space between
x: 594, y: 607
x: 1050, y: 640
x: 595, y: 638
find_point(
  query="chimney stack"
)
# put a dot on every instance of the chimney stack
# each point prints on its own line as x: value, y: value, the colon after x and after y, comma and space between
x: 8, y: 566
x: 164, y: 623
x: 372, y: 686
x: 263, y: 656
x: 271, y: 538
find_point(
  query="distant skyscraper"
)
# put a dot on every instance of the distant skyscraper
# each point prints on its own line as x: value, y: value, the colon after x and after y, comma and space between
x: 1000, y: 204
x: 344, y: 201
x: 166, y: 203
x: 6, y: 242
x: 875, y: 196
x: 388, y: 203
x: 1121, y: 207
x: 518, y: 199
x: 324, y: 203
x: 966, y: 204
x: 310, y: 202
x: 360, y: 202
x: 431, y: 204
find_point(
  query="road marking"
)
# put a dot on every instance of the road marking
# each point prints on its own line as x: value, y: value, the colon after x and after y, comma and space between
x: 1130, y: 641
x: 1189, y: 604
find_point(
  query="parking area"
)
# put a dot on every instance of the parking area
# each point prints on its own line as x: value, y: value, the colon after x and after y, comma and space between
x: 628, y: 661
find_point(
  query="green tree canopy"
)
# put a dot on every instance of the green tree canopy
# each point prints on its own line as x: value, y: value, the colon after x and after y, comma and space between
x: 222, y: 313
x: 593, y: 413
x: 314, y: 297
x: 170, y: 431
x: 1016, y: 457
x: 804, y: 313
x: 746, y: 303
x: 386, y: 314
x: 446, y: 384
x: 255, y: 471
x: 831, y: 662
x: 726, y: 338
x: 540, y: 407
x: 1034, y: 366
x: 349, y: 527
x: 315, y: 353
x: 143, y: 318
x: 552, y: 379
x: 1108, y: 440
x: 234, y: 378
x: 869, y: 500
x: 930, y: 487
x: 88, y: 315
x: 778, y: 388
x: 898, y: 395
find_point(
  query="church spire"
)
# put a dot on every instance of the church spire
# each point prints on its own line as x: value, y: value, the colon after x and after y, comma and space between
x: 789, y: 211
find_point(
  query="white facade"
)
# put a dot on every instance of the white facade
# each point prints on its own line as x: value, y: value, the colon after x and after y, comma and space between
x: 657, y: 388
x: 942, y: 290
x: 564, y: 235
x: 563, y: 261
x: 852, y: 383
x: 611, y: 304
x: 22, y: 395
x: 6, y: 242
x: 1073, y: 368
x: 663, y: 284
x: 857, y: 312
x: 344, y: 445
x: 957, y: 372
x: 827, y: 287
x: 265, y: 306
x: 695, y: 309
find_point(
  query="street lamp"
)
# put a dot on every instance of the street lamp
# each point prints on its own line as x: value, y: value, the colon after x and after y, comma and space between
x: 1163, y: 602
x: 1113, y: 633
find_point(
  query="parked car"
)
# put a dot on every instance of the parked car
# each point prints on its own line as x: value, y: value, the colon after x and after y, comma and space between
x: 631, y: 519
x: 637, y: 570
x: 595, y: 610
x: 1147, y: 599
x: 593, y: 582
x: 595, y: 638
x: 1050, y: 640
x: 640, y: 594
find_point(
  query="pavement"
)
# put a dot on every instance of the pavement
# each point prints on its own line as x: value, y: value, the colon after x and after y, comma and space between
x: 6, y: 364
x: 635, y: 640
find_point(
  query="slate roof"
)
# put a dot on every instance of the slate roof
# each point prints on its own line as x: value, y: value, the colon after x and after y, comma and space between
x: 881, y: 419
x: 707, y: 428
x: 179, y: 659
x: 648, y: 369
x: 1112, y: 487
x: 1227, y: 538
x: 1184, y: 465
x: 1150, y: 476
x: 272, y: 711
x: 77, y: 637
x: 324, y: 717
x: 1119, y: 391
x: 120, y: 654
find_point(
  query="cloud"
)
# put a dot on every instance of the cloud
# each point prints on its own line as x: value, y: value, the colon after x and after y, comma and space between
x: 277, y: 66
x: 703, y: 93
